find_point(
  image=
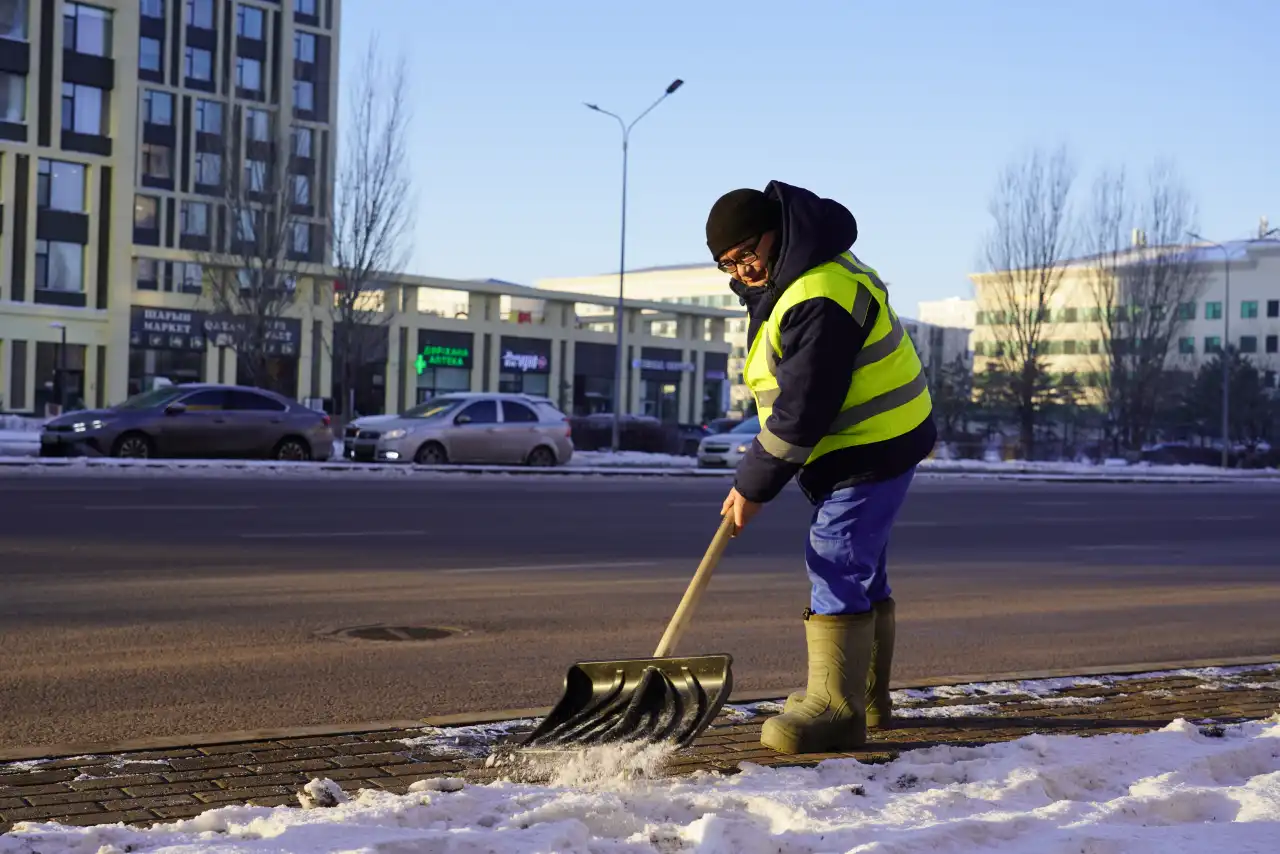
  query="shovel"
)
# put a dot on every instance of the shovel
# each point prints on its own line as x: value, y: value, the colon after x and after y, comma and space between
x: 644, y: 700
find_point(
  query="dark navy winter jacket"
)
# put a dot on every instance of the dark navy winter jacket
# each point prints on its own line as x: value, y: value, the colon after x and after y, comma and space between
x: 820, y: 341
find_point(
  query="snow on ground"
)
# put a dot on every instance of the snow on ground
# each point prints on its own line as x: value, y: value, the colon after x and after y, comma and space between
x: 631, y: 458
x: 1176, y: 791
x: 19, y: 443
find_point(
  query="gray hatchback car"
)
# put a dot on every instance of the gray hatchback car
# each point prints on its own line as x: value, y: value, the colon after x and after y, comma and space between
x: 194, y: 420
x: 495, y: 429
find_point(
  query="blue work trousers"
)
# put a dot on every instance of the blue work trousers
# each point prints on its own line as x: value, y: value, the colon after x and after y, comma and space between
x: 848, y: 543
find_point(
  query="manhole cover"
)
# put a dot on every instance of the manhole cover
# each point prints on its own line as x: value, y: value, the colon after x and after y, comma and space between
x: 390, y: 634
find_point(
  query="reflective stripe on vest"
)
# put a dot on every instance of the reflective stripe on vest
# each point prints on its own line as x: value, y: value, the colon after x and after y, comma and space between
x: 843, y: 431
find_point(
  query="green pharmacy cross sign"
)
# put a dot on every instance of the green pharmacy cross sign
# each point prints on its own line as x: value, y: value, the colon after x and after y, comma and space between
x: 435, y: 356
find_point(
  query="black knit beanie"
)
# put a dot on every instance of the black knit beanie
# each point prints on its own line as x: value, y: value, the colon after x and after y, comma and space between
x: 740, y: 215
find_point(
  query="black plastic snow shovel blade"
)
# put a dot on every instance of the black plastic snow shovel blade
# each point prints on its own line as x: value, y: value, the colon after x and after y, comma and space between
x: 648, y: 700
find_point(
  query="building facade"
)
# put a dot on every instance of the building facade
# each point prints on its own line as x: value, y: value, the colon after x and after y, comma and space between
x: 706, y: 285
x: 1248, y: 317
x: 124, y: 121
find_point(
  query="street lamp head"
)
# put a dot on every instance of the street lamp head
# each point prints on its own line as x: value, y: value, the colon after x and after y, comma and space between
x: 675, y: 84
x: 591, y: 106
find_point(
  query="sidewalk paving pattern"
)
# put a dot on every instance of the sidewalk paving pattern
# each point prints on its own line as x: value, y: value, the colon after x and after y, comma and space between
x: 150, y: 786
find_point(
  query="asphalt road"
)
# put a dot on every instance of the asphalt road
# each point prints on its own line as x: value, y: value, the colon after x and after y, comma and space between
x: 142, y: 606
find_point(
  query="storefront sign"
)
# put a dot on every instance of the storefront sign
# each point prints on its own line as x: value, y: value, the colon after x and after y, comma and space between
x: 282, y: 335
x: 437, y: 349
x: 665, y: 367
x: 526, y: 355
x: 165, y: 328
x: 524, y: 362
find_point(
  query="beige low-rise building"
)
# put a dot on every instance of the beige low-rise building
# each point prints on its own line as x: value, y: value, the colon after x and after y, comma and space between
x: 1249, y: 318
x: 706, y: 285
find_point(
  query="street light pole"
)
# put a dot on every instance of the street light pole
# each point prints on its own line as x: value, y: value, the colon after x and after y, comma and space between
x: 622, y: 259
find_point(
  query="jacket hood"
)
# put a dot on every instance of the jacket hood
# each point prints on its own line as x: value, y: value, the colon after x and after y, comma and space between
x: 814, y: 230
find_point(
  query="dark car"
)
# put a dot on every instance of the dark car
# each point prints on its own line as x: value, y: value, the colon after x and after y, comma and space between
x: 194, y: 420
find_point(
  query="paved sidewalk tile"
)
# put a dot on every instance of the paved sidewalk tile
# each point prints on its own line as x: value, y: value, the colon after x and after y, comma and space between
x: 146, y: 787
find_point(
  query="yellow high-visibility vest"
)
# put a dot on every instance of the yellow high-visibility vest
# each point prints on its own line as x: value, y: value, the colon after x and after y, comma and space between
x: 888, y: 393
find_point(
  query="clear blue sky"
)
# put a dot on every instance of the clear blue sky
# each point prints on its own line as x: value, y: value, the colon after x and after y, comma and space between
x: 905, y: 112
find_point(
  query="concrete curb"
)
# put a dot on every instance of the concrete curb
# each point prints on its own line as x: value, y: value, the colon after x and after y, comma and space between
x: 57, y: 751
x: 407, y: 470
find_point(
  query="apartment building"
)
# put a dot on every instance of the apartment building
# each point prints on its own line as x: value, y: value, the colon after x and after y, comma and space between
x: 1248, y: 316
x: 121, y: 124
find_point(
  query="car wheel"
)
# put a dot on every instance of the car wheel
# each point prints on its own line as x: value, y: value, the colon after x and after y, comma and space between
x: 431, y: 454
x: 292, y: 450
x: 134, y: 446
x: 541, y: 457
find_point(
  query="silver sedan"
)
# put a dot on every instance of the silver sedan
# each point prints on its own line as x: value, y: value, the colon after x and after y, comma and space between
x: 493, y: 429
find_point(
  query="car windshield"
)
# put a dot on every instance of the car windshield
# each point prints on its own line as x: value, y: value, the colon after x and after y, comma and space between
x: 751, y: 425
x: 150, y: 399
x: 433, y: 408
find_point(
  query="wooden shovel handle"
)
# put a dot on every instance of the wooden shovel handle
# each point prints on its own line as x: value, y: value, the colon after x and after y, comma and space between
x: 684, y: 612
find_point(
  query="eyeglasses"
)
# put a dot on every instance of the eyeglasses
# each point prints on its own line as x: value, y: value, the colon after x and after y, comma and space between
x: 747, y: 257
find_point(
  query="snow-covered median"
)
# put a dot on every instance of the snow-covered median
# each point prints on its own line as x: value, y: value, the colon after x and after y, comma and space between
x: 1180, y: 790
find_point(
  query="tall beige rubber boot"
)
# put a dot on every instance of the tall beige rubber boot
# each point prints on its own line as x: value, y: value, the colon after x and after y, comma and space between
x: 833, y: 715
x: 879, y: 704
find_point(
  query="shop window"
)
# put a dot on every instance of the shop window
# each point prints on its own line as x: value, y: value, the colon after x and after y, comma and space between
x: 59, y: 376
x: 149, y: 369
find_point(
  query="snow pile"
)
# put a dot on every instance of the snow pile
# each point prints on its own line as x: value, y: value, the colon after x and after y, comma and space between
x: 1176, y: 791
x: 19, y: 443
x: 20, y: 424
x: 630, y: 459
x: 1109, y: 468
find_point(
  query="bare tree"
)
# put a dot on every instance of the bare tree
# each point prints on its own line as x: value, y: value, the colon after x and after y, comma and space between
x: 1026, y: 255
x: 372, y: 213
x: 1144, y: 284
x: 260, y: 244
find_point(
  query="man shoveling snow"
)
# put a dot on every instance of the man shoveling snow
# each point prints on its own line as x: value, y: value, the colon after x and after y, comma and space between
x: 844, y: 408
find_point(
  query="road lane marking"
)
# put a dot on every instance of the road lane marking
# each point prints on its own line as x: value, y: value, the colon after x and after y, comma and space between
x: 549, y: 567
x: 313, y: 535
x: 149, y: 508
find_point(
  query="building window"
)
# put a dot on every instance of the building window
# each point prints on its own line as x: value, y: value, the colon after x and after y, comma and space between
x: 255, y: 176
x: 257, y: 125
x: 60, y: 186
x: 249, y: 74
x: 13, y: 19
x: 301, y: 238
x: 302, y: 138
x: 1213, y: 311
x: 304, y: 95
x: 1186, y: 311
x: 148, y: 275
x: 190, y: 277
x: 1248, y: 343
x: 149, y: 53
x: 13, y: 97
x: 1187, y: 346
x: 200, y: 14
x: 1213, y: 344
x: 1273, y: 343
x: 208, y: 168
x: 146, y: 212
x: 86, y: 29
x: 59, y: 266
x: 157, y: 161
x: 157, y: 107
x: 305, y: 7
x: 208, y: 116
x: 83, y: 109
x: 153, y: 8
x: 249, y: 22
x: 301, y: 190
x: 199, y: 64
x: 304, y: 47
x: 1249, y: 309
x: 195, y: 218
x: 1273, y: 308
